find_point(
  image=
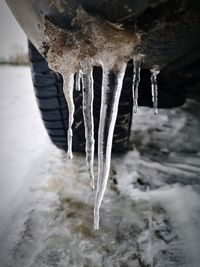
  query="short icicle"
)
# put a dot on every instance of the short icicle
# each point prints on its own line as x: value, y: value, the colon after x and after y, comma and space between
x: 88, y: 96
x: 68, y: 87
x: 136, y: 81
x: 78, y: 81
x: 111, y: 90
x: 154, y: 88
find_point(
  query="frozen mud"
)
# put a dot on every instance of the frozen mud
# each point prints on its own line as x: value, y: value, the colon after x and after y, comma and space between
x: 150, y: 214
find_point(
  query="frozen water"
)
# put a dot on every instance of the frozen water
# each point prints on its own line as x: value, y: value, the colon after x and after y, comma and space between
x: 88, y: 96
x: 154, y: 88
x: 136, y: 81
x: 68, y: 86
x: 150, y: 213
x: 111, y: 90
x: 93, y: 41
x: 78, y: 81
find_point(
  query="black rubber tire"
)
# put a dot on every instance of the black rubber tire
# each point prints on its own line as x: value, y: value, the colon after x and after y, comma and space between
x: 48, y: 87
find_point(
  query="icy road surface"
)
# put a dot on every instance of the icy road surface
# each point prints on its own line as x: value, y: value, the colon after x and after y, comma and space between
x: 150, y: 214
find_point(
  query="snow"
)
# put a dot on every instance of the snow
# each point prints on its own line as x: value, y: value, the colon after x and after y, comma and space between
x: 150, y: 215
x: 20, y: 124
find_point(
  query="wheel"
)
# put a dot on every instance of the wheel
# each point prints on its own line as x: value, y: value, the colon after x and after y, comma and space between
x: 48, y: 86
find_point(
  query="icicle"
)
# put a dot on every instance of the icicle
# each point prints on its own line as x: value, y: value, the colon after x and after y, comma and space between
x: 88, y: 95
x: 136, y: 81
x: 111, y: 90
x: 68, y: 92
x: 78, y: 81
x: 154, y: 88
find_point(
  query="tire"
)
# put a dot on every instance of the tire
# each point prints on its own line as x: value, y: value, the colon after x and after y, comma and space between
x: 48, y: 86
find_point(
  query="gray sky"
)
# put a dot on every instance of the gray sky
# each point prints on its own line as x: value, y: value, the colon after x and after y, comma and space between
x: 11, y: 33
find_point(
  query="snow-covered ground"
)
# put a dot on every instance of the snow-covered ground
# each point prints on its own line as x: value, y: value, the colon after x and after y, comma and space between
x: 150, y: 214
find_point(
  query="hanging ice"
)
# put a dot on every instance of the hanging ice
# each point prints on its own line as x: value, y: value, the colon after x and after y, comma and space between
x: 154, y: 88
x: 136, y: 81
x: 88, y: 95
x: 78, y: 81
x: 93, y: 41
x: 111, y: 90
x: 68, y: 85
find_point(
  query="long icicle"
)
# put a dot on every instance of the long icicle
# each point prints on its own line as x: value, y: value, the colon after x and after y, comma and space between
x: 111, y: 90
x: 88, y: 96
x: 68, y: 87
x: 136, y: 81
x: 154, y: 88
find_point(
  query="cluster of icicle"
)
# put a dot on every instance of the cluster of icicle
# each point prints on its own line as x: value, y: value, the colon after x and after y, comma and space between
x: 135, y: 85
x: 111, y: 90
x: 92, y: 41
